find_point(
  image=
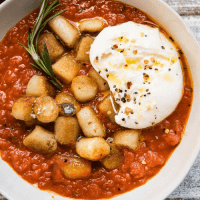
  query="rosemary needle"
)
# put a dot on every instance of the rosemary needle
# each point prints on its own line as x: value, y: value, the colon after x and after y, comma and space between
x: 43, y: 63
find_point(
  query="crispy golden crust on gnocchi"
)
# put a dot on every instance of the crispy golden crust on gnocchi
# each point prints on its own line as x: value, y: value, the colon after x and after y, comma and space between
x: 102, y: 83
x: 92, y: 148
x: 41, y: 141
x: 83, y: 48
x: 23, y: 108
x: 84, y: 88
x: 46, y: 110
x: 55, y: 48
x: 67, y: 130
x: 91, y: 25
x: 74, y: 167
x: 105, y: 106
x: 63, y: 98
x: 127, y: 138
x: 90, y: 123
x: 66, y: 68
x: 67, y: 32
x: 114, y: 159
x: 38, y: 86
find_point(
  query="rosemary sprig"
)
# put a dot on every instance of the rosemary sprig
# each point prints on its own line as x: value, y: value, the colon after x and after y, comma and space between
x: 43, y: 63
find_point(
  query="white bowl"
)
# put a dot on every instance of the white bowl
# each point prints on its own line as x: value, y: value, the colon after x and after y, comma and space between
x: 171, y: 175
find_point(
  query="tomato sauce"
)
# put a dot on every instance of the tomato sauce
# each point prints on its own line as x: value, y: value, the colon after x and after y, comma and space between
x: 156, y: 144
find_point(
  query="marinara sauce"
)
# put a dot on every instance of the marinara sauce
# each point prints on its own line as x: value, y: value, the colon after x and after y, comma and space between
x: 156, y: 144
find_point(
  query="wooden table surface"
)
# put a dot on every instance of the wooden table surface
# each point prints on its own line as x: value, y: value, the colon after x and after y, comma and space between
x: 189, y: 189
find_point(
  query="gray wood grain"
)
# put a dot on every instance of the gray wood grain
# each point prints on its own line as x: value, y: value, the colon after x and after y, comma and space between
x: 189, y: 189
x: 185, y: 7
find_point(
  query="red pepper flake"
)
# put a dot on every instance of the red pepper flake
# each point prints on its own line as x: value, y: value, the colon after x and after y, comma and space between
x: 128, y: 110
x: 129, y: 84
x: 115, y: 46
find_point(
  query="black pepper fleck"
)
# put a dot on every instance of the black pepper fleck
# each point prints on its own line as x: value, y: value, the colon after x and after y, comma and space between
x: 123, y: 100
x: 180, y: 52
x: 171, y: 39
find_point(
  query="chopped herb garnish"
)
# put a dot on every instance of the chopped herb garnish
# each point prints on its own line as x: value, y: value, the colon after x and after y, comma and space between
x: 123, y: 8
x: 12, y: 128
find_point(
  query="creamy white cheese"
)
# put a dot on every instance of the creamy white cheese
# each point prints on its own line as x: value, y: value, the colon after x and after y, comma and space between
x: 143, y: 71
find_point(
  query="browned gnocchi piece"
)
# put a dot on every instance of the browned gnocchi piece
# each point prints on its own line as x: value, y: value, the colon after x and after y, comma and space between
x: 32, y: 122
x: 114, y: 159
x: 23, y: 108
x: 66, y: 68
x: 92, y: 148
x: 84, y: 88
x: 102, y: 83
x: 41, y: 141
x: 55, y: 48
x: 38, y: 86
x: 68, y: 104
x: 67, y: 32
x: 74, y: 167
x: 91, y: 25
x: 127, y: 138
x: 83, y: 48
x: 90, y: 123
x: 66, y: 130
x: 106, y: 107
x: 46, y: 110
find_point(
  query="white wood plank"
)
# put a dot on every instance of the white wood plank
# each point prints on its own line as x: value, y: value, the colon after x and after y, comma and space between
x: 185, y: 7
x: 190, y: 187
x: 182, y: 2
x: 193, y: 22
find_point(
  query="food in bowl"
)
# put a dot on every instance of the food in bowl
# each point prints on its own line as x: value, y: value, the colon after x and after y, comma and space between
x: 42, y: 150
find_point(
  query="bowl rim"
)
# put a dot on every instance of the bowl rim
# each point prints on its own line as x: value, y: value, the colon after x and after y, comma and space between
x: 193, y: 157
